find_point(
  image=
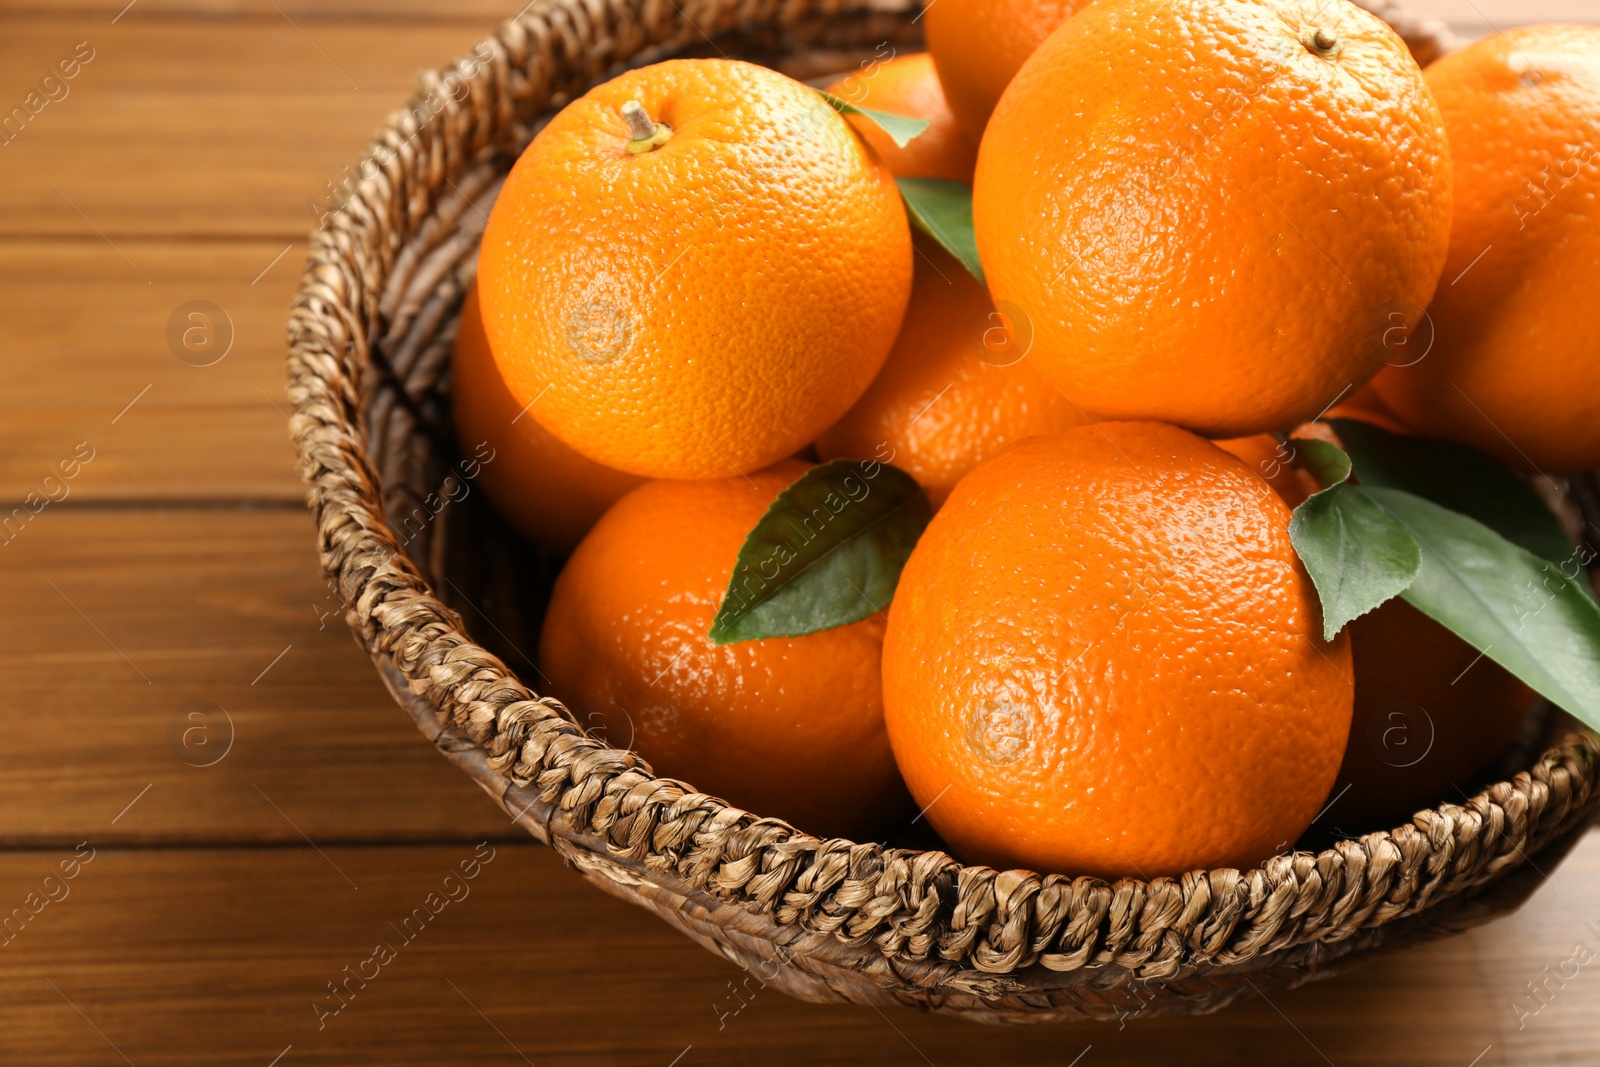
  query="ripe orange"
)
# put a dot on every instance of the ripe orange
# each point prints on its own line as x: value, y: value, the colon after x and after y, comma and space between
x: 907, y: 85
x: 1102, y: 659
x: 1281, y: 464
x: 956, y: 389
x: 1515, y: 369
x: 1430, y: 715
x: 1274, y: 462
x: 1368, y: 405
x: 704, y: 300
x: 788, y: 727
x: 1210, y: 216
x: 550, y: 493
x: 979, y: 45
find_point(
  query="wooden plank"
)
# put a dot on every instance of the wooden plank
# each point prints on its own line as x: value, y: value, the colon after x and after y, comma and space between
x: 218, y: 957
x: 87, y: 333
x: 213, y: 128
x: 308, y: 12
x: 121, y: 622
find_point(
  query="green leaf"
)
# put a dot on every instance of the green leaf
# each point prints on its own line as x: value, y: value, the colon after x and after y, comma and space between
x: 1526, y: 606
x: 942, y: 209
x: 1456, y: 478
x: 1328, y: 464
x: 1359, y: 557
x: 1534, y: 617
x: 902, y: 129
x: 828, y: 552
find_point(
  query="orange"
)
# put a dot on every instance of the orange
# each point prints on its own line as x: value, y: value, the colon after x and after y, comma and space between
x: 1274, y: 462
x: 955, y: 390
x: 1211, y: 209
x: 1368, y: 405
x: 1515, y: 368
x: 907, y: 85
x: 1430, y: 713
x: 1430, y: 716
x: 788, y: 727
x: 1102, y: 659
x: 550, y: 493
x: 705, y: 300
x: 979, y: 45
x: 1281, y: 463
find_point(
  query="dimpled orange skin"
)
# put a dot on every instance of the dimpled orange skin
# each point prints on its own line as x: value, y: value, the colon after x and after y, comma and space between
x: 908, y: 85
x: 709, y: 306
x: 1209, y: 223
x: 550, y: 493
x: 1515, y: 367
x: 939, y: 407
x: 787, y: 727
x: 1274, y: 462
x: 979, y: 45
x: 1098, y: 661
x: 1281, y: 464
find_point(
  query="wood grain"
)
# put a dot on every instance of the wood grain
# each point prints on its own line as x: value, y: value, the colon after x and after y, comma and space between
x: 119, y: 620
x: 300, y: 11
x: 87, y: 334
x: 218, y: 957
x: 214, y: 129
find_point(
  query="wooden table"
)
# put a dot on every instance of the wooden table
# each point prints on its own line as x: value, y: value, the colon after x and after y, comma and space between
x: 193, y: 737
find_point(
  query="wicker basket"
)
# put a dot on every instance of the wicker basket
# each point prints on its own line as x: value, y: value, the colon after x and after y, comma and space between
x: 419, y: 566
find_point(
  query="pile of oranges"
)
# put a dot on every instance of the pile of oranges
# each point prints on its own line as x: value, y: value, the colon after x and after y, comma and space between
x: 1203, y: 226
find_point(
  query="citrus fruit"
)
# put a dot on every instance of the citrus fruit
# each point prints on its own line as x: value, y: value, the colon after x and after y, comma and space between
x: 1515, y: 366
x: 1430, y: 715
x: 551, y: 494
x: 1102, y: 659
x: 907, y: 85
x: 1211, y: 210
x: 694, y: 269
x: 1274, y: 462
x: 979, y: 45
x: 789, y: 727
x: 1368, y: 405
x: 956, y: 388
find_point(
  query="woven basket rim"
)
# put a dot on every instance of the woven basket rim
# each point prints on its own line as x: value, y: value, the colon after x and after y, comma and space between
x: 907, y: 906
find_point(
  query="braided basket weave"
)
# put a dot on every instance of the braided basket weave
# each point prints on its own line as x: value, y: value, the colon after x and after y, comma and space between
x: 420, y: 562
